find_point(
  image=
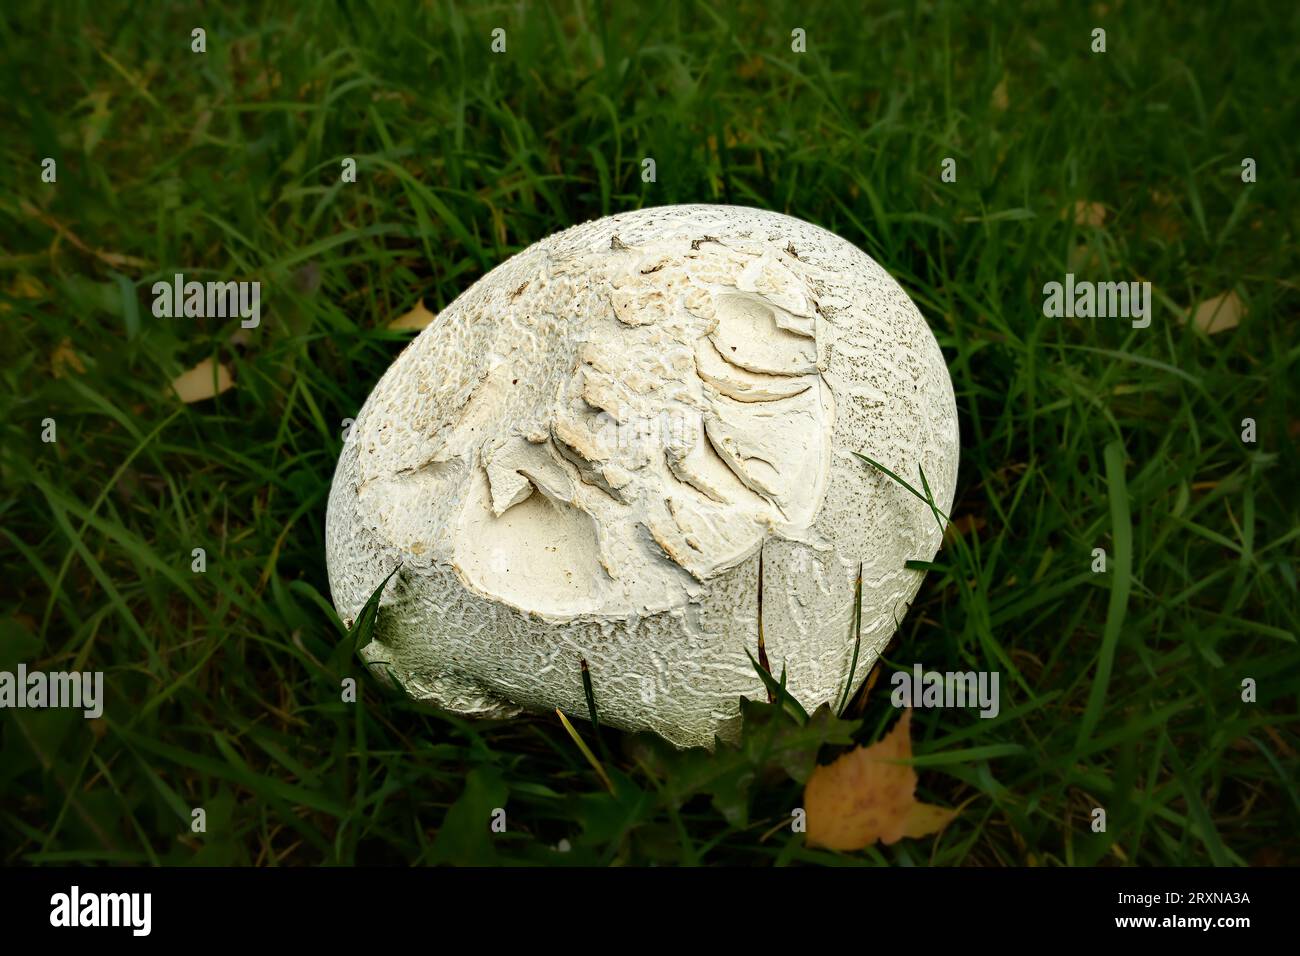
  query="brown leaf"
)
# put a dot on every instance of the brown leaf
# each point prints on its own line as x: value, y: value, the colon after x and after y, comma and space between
x: 418, y: 318
x: 1219, y: 314
x: 64, y: 360
x: 1087, y: 213
x: 868, y: 795
x: 202, y: 382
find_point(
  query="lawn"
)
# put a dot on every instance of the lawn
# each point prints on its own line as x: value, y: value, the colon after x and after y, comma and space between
x: 1122, y: 689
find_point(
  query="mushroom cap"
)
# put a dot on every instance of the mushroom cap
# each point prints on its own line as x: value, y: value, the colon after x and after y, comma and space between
x: 593, y: 451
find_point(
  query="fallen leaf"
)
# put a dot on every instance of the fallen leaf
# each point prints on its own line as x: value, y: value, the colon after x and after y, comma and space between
x: 63, y: 360
x: 1087, y: 213
x: 868, y: 794
x: 1218, y: 314
x: 1000, y: 99
x: 418, y: 318
x: 202, y: 382
x: 924, y: 819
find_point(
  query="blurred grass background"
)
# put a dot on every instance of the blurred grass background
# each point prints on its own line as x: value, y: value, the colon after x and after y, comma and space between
x: 223, y: 687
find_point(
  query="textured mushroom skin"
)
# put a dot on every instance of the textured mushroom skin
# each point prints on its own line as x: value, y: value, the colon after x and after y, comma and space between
x: 588, y: 454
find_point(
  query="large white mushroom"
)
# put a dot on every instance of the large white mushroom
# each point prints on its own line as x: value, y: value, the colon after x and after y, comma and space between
x: 591, y: 453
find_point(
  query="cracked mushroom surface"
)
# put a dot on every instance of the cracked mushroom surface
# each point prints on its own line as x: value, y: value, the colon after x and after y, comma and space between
x: 594, y: 450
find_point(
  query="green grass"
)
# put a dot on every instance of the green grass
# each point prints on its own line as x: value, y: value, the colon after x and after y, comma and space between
x: 1120, y: 690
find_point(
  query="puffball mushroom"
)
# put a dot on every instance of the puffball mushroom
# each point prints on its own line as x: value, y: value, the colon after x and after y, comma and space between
x: 593, y: 451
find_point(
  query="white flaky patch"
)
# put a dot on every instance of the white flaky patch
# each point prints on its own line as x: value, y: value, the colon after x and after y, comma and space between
x: 590, y: 454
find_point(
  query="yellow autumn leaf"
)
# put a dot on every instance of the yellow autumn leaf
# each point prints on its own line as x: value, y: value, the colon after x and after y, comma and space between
x: 869, y: 794
x: 1219, y: 314
x: 417, y: 319
x: 64, y: 360
x: 1085, y: 213
x: 924, y: 819
x: 202, y: 382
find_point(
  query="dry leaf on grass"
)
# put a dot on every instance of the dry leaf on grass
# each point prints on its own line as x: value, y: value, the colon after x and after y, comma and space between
x: 202, y: 382
x: 1218, y: 314
x: 64, y: 360
x: 1086, y: 213
x: 867, y: 795
x: 418, y: 318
